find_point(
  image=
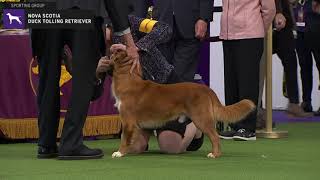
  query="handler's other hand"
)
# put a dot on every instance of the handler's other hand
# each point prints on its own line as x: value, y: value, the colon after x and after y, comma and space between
x: 103, y: 66
x: 279, y: 21
x: 117, y: 47
x: 316, y: 6
x: 201, y: 29
x: 132, y: 52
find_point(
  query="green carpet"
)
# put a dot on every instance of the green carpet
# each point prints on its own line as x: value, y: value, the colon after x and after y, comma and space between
x: 295, y: 158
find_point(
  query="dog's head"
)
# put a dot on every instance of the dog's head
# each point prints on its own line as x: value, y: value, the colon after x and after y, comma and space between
x: 122, y: 62
x: 8, y: 14
x: 120, y: 58
x: 119, y: 55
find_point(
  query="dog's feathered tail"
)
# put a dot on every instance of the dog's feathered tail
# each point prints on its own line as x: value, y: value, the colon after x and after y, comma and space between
x: 232, y: 113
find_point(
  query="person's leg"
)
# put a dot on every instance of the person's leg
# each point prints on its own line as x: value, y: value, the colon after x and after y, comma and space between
x: 186, y: 58
x: 305, y: 61
x: 230, y: 80
x: 230, y: 73
x: 86, y: 53
x: 248, y: 54
x: 230, y: 83
x: 170, y: 142
x: 195, y: 135
x: 197, y: 142
x: 289, y: 60
x: 174, y: 142
x: 49, y: 93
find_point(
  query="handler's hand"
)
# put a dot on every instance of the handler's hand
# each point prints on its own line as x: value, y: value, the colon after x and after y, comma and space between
x: 103, y: 66
x: 279, y: 21
x: 116, y: 47
x: 316, y: 7
x: 132, y: 52
x: 201, y: 29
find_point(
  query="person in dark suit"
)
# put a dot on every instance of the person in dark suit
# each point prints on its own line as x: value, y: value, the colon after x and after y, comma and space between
x: 308, y: 27
x: 284, y: 47
x: 140, y: 7
x: 86, y: 53
x: 189, y: 20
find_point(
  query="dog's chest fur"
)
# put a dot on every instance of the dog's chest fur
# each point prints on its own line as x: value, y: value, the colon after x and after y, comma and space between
x: 118, y: 101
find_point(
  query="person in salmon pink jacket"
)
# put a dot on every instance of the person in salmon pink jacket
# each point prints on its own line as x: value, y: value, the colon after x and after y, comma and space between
x: 244, y: 24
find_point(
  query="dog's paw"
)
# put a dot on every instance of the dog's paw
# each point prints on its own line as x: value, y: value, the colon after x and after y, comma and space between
x: 117, y: 154
x: 211, y: 155
x: 214, y: 155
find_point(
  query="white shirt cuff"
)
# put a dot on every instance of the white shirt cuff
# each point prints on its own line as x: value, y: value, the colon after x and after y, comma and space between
x: 124, y: 32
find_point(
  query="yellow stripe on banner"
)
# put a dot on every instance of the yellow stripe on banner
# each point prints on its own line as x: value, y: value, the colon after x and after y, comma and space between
x: 28, y: 128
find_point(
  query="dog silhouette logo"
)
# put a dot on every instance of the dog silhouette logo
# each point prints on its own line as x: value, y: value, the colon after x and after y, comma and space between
x: 13, y: 18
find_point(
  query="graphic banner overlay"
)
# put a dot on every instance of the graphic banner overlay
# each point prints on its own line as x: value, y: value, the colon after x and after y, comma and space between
x: 64, y: 19
x: 45, y: 16
x: 29, y: 5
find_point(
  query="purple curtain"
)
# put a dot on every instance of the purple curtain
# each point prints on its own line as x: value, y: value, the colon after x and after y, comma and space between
x: 19, y: 80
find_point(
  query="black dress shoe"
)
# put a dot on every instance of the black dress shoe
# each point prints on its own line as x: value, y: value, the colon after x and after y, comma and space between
x: 81, y: 153
x: 47, y: 152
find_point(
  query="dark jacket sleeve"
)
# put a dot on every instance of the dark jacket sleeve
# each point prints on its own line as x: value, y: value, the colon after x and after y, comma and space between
x: 206, y: 9
x: 160, y: 33
x: 140, y: 7
x: 105, y: 16
x: 279, y: 6
x: 118, y: 11
x: 285, y: 7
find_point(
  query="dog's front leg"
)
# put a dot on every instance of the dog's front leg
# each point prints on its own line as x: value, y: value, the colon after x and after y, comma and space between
x: 129, y: 131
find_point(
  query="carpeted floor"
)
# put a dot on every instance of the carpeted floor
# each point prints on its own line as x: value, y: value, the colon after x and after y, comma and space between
x: 283, y: 117
x: 294, y: 158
